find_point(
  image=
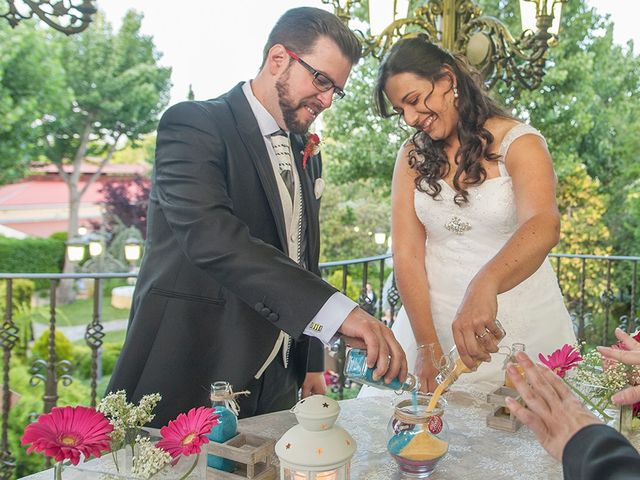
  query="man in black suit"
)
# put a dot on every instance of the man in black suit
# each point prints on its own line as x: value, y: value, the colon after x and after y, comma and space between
x: 229, y: 288
x: 588, y: 449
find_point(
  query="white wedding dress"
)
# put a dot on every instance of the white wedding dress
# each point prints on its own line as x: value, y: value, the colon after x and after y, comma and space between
x: 460, y: 241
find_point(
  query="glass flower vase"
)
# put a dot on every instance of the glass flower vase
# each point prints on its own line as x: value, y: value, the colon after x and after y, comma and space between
x: 193, y: 467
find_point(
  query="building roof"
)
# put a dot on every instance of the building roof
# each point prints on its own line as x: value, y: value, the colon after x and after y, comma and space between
x: 12, y: 232
x: 38, y: 205
x: 89, y: 168
x: 37, y: 192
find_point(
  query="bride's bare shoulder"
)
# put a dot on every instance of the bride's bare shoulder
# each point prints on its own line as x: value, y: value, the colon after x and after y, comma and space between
x: 499, y: 127
x: 406, y: 158
x: 405, y: 149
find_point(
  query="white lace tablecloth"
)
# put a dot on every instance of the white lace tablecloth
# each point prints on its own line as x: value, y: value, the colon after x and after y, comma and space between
x: 475, y: 450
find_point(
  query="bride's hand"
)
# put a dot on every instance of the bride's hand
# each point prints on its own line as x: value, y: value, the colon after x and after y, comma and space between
x: 474, y: 328
x: 426, y: 370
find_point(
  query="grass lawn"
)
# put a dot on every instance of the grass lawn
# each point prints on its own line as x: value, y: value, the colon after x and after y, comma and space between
x: 79, y: 312
x: 109, y: 337
x: 348, y: 392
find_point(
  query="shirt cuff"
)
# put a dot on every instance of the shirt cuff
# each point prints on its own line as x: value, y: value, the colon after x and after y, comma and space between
x: 329, y: 318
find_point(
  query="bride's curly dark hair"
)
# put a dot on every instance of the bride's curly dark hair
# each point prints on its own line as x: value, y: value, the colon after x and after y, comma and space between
x: 419, y: 56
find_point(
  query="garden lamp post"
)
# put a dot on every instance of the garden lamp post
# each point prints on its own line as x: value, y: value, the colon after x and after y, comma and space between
x: 132, y: 250
x: 96, y: 245
x: 132, y: 253
x: 75, y: 249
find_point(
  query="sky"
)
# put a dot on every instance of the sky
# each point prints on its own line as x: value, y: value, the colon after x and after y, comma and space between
x: 214, y: 44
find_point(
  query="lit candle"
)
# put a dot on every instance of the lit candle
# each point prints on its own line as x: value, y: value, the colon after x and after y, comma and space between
x: 332, y: 475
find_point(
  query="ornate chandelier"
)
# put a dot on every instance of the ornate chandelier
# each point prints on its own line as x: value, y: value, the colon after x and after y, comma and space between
x: 460, y: 27
x: 67, y: 16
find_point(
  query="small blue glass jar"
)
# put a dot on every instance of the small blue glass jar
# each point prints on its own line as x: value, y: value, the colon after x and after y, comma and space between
x: 356, y: 369
x: 225, y: 429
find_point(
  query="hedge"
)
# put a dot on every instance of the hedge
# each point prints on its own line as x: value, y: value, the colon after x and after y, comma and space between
x: 32, y: 255
x: 22, y: 290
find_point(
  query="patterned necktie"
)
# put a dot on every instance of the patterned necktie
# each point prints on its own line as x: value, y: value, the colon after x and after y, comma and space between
x: 280, y: 143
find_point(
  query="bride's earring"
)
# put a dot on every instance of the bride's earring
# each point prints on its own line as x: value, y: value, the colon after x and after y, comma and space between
x: 455, y: 92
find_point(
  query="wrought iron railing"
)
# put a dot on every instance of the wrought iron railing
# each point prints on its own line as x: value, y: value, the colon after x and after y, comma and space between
x: 600, y: 293
x: 50, y: 371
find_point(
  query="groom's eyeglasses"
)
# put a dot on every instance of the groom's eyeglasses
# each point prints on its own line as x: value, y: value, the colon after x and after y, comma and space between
x: 320, y: 80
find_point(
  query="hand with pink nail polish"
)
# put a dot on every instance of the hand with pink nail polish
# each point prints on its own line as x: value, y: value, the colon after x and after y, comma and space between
x: 628, y: 352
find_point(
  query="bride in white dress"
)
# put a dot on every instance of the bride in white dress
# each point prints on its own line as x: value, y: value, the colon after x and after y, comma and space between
x: 474, y: 216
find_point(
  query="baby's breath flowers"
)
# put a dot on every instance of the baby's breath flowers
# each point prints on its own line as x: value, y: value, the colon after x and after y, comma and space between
x: 592, y: 378
x: 148, y: 460
x: 181, y: 438
x: 127, y: 418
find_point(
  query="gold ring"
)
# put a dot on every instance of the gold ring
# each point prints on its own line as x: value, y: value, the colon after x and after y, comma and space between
x: 483, y: 335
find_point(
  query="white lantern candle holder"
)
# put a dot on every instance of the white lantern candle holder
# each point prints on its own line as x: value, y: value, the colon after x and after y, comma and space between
x: 316, y: 448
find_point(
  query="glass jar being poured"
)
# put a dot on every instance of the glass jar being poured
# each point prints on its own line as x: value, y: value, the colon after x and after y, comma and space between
x: 355, y: 368
x: 450, y: 367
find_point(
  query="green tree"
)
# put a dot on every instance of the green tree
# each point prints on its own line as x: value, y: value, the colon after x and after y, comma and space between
x: 588, y: 108
x: 119, y: 90
x: 135, y: 152
x: 358, y: 143
x: 350, y: 216
x: 32, y: 85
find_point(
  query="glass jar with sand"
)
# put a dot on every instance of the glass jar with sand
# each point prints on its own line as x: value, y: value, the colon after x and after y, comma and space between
x: 417, y: 439
x: 450, y: 367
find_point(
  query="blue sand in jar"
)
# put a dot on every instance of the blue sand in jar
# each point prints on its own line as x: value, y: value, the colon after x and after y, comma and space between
x: 394, y: 384
x: 358, y: 372
x: 398, y: 442
x: 226, y: 429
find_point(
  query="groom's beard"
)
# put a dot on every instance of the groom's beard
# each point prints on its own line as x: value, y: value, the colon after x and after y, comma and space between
x: 290, y: 109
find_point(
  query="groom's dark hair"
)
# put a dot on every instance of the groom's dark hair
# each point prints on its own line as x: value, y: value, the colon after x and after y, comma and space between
x: 298, y: 29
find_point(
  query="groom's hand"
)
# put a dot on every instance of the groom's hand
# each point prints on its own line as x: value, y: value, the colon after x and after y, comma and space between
x: 361, y: 330
x: 314, y: 384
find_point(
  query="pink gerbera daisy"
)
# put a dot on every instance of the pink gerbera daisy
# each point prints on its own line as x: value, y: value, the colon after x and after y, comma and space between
x: 185, y: 434
x: 66, y: 432
x: 562, y: 360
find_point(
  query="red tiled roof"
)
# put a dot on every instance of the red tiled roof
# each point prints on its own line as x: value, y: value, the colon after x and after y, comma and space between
x: 35, y: 205
x: 89, y: 168
x: 34, y: 192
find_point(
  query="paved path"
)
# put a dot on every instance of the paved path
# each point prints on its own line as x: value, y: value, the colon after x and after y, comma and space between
x: 76, y: 332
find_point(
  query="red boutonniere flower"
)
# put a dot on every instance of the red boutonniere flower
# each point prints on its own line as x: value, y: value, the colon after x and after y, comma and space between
x: 311, y: 148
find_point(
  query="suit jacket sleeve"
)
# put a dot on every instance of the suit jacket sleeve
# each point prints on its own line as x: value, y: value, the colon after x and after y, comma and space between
x: 598, y: 452
x: 191, y: 189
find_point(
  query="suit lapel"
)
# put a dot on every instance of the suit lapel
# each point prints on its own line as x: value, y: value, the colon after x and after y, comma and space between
x: 251, y: 137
